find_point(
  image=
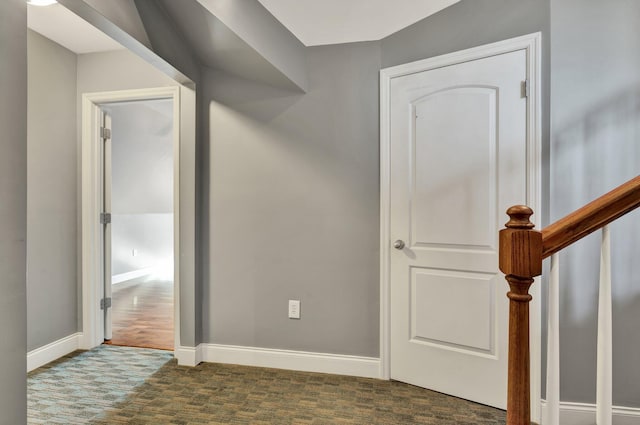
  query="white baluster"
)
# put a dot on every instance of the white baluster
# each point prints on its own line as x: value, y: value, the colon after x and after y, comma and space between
x: 553, y: 345
x: 604, y: 393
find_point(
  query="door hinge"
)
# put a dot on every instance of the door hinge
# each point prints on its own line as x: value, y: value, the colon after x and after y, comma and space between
x: 105, y: 303
x: 525, y: 88
x: 105, y: 218
x: 105, y: 133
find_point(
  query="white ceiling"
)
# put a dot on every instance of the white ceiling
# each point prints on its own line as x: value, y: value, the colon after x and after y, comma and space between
x: 57, y: 23
x: 317, y: 22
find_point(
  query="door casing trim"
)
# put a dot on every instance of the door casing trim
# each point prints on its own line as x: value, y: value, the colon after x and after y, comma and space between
x: 91, y: 253
x: 531, y: 43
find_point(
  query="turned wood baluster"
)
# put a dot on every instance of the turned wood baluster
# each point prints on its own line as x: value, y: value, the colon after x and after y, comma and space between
x: 520, y: 260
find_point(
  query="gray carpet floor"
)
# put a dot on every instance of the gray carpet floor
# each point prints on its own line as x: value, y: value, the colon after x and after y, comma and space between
x: 121, y: 385
x: 80, y: 387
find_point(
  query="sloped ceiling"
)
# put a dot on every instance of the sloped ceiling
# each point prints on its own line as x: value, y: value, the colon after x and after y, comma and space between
x: 59, y: 24
x: 318, y: 22
x: 241, y: 38
x: 260, y: 40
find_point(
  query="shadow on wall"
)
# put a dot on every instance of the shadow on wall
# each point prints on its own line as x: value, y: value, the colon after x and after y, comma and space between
x: 593, y: 154
x: 250, y: 98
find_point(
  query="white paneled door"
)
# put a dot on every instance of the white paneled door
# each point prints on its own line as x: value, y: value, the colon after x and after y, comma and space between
x: 458, y: 160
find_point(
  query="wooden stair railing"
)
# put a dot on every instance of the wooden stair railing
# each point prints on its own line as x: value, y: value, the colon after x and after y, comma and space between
x: 522, y: 249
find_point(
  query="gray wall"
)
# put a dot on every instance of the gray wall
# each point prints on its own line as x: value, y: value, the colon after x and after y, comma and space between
x: 13, y: 211
x: 142, y: 184
x: 293, y: 207
x: 117, y: 70
x: 51, y: 194
x: 595, y: 112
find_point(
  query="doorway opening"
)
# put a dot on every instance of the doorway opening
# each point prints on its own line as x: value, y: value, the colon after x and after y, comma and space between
x: 130, y: 222
x: 138, y: 196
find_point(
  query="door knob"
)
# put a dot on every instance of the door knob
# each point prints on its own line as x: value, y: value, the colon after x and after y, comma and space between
x: 398, y: 244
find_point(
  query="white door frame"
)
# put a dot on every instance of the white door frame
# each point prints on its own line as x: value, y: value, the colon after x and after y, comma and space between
x: 532, y: 45
x: 91, y: 253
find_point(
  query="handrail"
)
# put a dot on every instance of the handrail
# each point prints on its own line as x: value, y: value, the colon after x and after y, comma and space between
x: 522, y: 249
x: 593, y: 216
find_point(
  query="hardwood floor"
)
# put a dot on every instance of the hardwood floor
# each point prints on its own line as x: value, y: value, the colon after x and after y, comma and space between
x: 142, y: 314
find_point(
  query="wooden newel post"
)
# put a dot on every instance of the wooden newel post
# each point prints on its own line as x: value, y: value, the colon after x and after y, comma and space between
x: 520, y: 260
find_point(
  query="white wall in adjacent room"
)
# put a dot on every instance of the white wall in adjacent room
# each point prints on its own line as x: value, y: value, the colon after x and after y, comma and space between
x: 142, y: 187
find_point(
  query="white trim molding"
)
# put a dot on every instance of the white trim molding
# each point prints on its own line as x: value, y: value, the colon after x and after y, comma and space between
x: 53, y: 351
x: 188, y: 356
x: 532, y: 45
x: 337, y: 364
x: 585, y: 414
x: 134, y: 274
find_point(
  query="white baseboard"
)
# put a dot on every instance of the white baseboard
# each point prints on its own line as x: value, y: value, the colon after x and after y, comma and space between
x: 188, y: 356
x: 53, y: 351
x: 368, y: 367
x: 123, y: 277
x: 585, y: 414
